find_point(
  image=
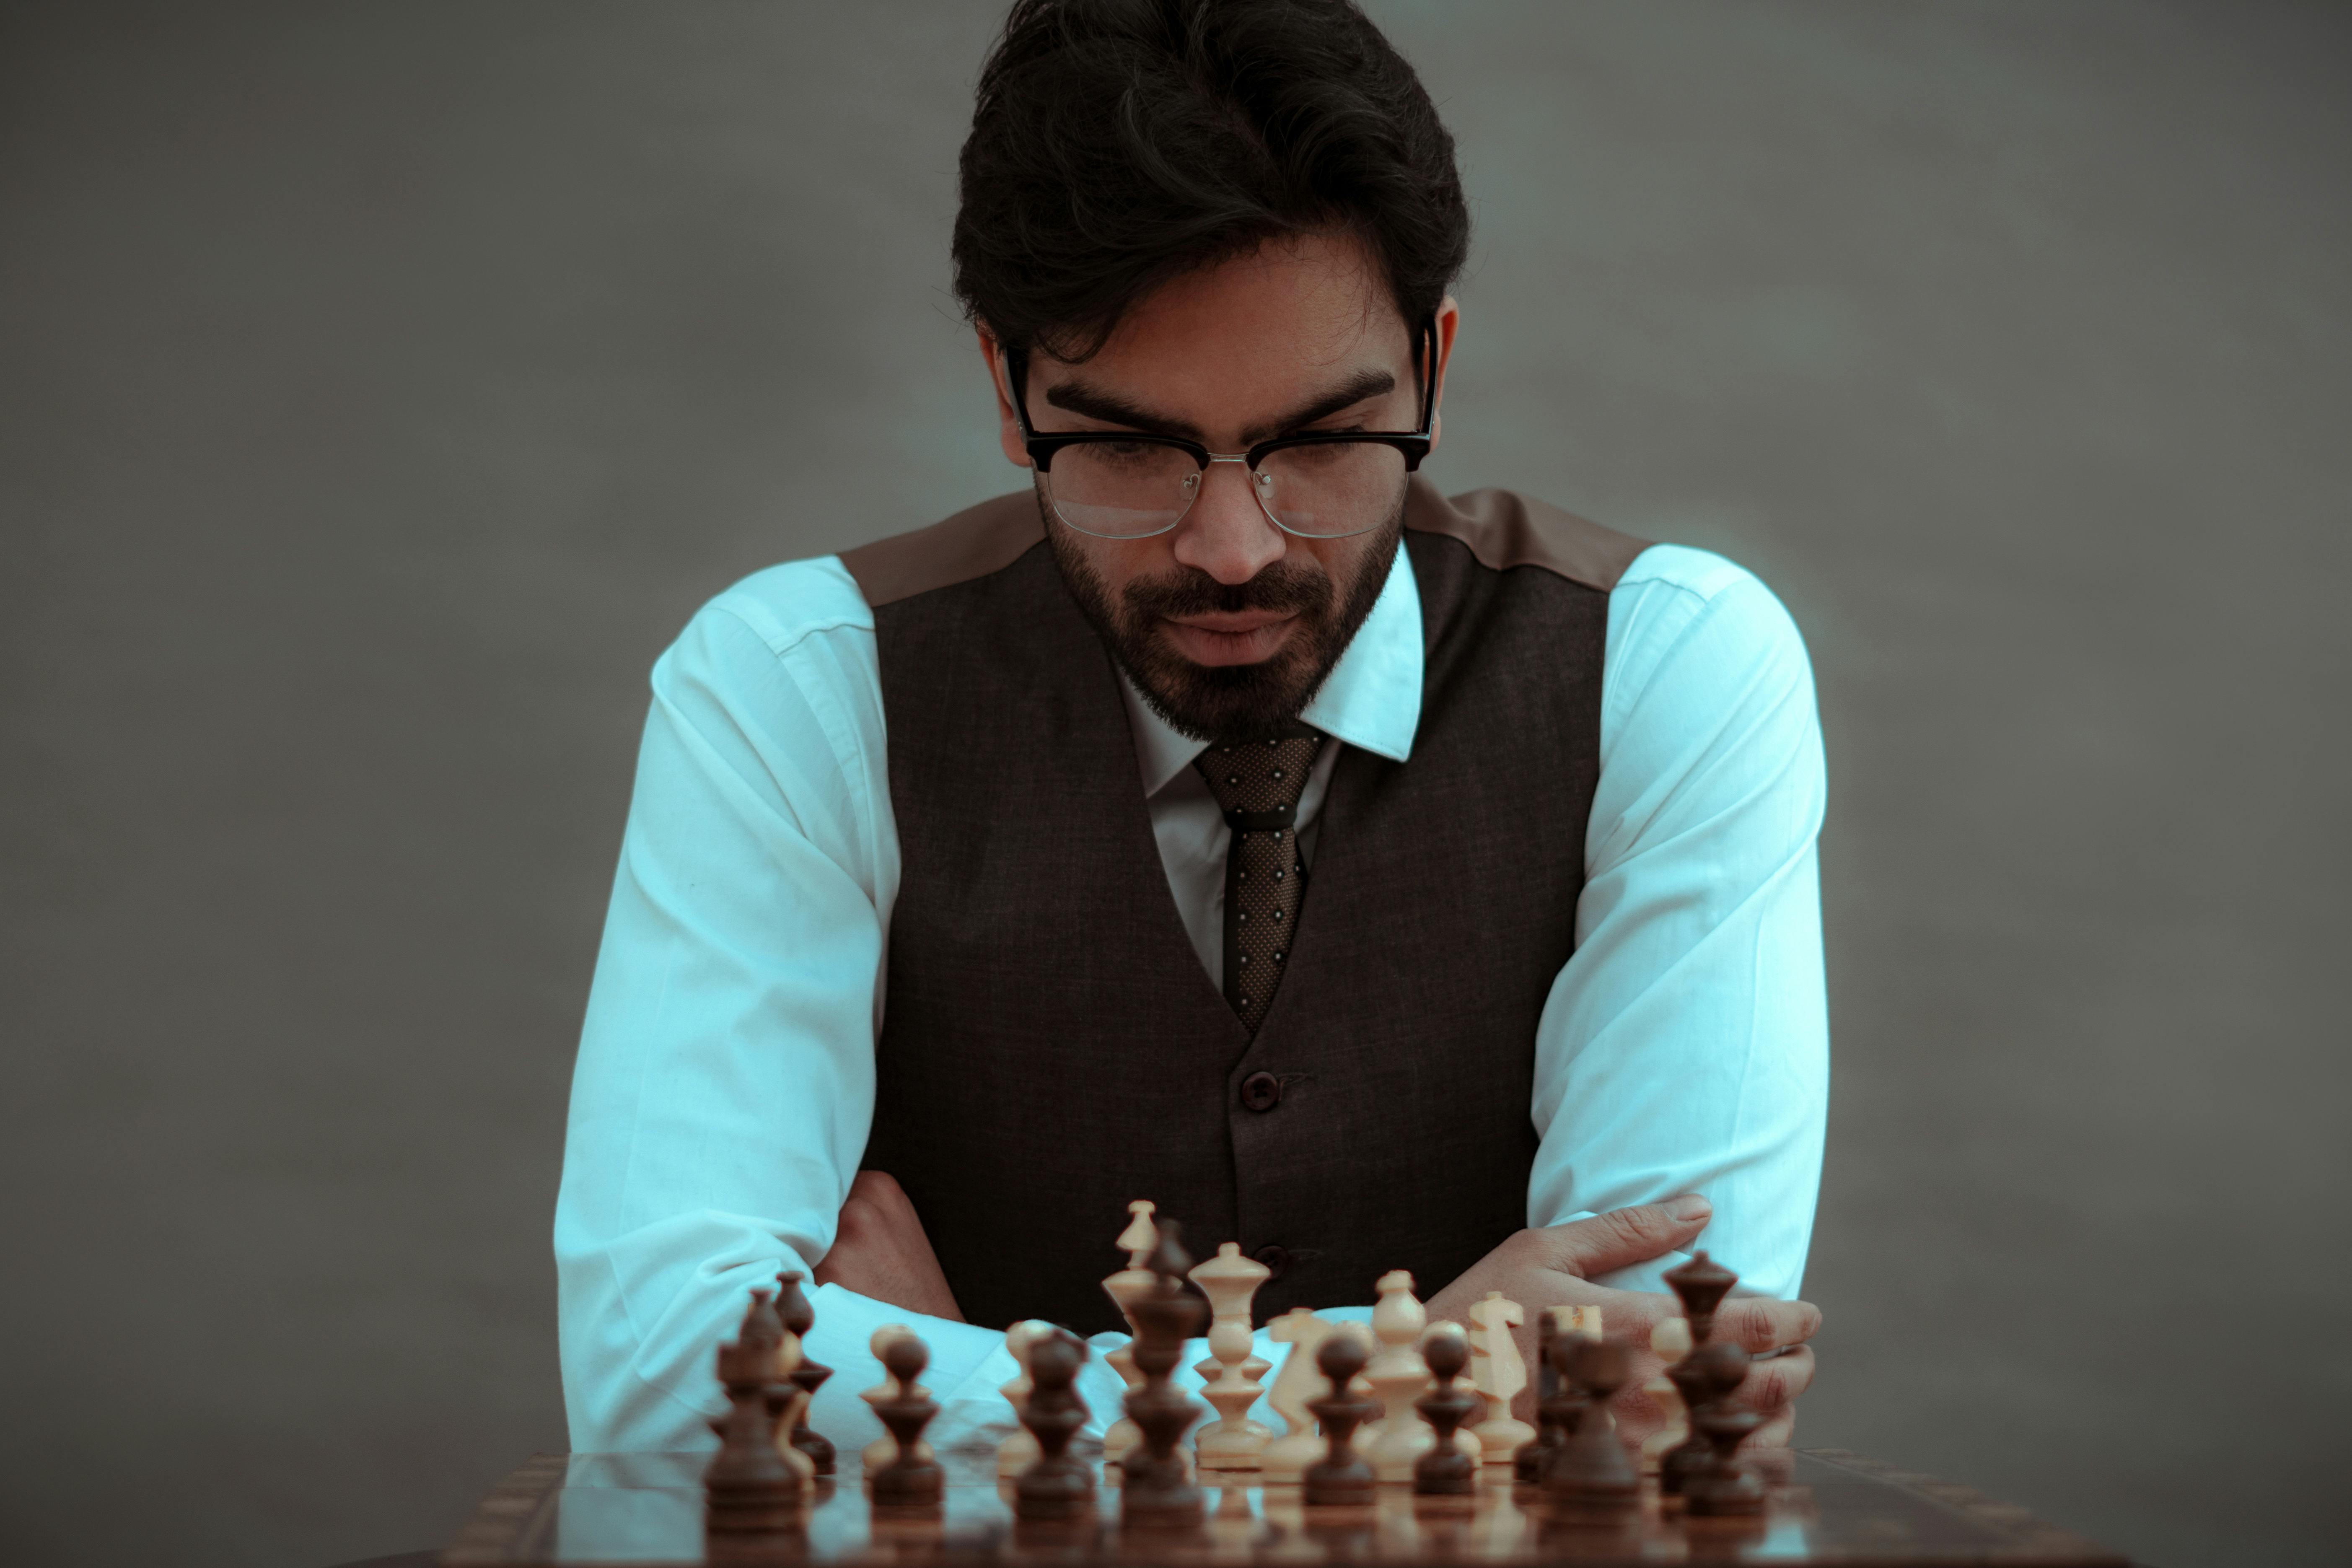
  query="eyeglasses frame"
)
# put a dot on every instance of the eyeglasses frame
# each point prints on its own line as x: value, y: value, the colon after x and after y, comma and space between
x: 1040, y: 445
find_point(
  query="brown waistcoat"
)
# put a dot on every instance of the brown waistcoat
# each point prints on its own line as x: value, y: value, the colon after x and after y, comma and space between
x: 1051, y: 1046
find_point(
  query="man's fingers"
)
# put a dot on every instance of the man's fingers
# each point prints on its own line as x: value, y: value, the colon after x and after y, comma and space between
x: 1761, y: 1323
x: 1772, y: 1384
x: 1623, y: 1237
x: 1776, y: 1433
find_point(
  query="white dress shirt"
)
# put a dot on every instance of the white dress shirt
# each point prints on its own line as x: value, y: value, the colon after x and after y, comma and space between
x: 725, y: 1083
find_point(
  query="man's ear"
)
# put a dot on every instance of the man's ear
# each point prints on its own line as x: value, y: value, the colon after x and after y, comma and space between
x: 1008, y: 428
x: 1448, y: 320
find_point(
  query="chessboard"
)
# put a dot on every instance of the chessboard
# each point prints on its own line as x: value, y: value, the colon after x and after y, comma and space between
x: 1824, y: 1506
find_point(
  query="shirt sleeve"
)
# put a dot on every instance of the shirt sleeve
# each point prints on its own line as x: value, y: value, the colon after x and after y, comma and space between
x: 724, y: 1082
x: 1685, y: 1047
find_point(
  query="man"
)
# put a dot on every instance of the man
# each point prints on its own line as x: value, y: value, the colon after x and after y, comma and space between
x: 1228, y: 819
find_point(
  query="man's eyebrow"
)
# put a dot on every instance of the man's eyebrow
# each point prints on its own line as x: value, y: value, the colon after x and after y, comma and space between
x: 1094, y: 403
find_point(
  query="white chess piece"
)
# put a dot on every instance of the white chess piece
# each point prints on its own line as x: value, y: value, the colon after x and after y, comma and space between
x: 1130, y: 1285
x: 1498, y: 1371
x: 885, y: 1448
x: 1398, y: 1376
x: 1284, y: 1459
x: 788, y: 1358
x: 1020, y: 1451
x: 1233, y: 1441
x: 1670, y: 1340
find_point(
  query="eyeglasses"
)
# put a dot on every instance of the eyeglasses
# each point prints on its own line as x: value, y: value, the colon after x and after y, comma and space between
x: 1318, y: 484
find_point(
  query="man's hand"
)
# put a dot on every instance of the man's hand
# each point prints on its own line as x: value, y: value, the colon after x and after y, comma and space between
x: 880, y: 1251
x: 1550, y: 1268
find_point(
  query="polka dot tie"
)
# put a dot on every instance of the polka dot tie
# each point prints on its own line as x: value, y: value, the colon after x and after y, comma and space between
x: 1259, y: 783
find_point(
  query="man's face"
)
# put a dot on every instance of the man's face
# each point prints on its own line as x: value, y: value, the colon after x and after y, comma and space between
x: 1227, y: 623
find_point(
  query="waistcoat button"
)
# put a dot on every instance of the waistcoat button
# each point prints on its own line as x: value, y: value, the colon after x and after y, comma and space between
x: 1275, y: 1257
x: 1261, y: 1091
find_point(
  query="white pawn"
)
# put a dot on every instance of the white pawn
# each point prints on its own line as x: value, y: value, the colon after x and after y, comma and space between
x: 1498, y: 1371
x: 1670, y: 1340
x: 788, y: 1357
x: 885, y: 1448
x: 1233, y: 1441
x: 1284, y: 1459
x: 1020, y: 1451
x: 1398, y: 1376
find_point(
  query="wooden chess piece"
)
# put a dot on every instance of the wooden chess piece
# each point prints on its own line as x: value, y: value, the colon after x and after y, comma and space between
x: 912, y: 1478
x: 1157, y: 1486
x: 1341, y: 1476
x: 748, y: 1488
x: 1129, y: 1285
x: 1233, y: 1441
x: 1700, y: 1285
x: 1670, y: 1342
x: 1498, y: 1373
x: 1398, y: 1376
x: 1056, y: 1485
x: 1284, y: 1459
x: 885, y: 1448
x: 1720, y: 1420
x: 1555, y: 1402
x: 798, y: 1317
x: 1591, y: 1470
x: 1446, y: 1470
x: 1019, y: 1450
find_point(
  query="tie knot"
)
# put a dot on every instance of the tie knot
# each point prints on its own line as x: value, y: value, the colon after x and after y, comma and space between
x: 1256, y: 778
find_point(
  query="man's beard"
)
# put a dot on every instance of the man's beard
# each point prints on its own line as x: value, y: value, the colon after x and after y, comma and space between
x: 1234, y: 702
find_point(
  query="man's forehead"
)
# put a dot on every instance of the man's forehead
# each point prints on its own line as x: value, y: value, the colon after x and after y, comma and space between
x: 1258, y: 337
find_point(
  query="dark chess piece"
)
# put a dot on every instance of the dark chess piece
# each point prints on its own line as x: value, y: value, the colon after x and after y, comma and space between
x: 1055, y: 1485
x: 1156, y: 1489
x: 1591, y: 1470
x: 1528, y: 1465
x: 1446, y: 1470
x: 1342, y: 1475
x: 1710, y: 1375
x: 748, y: 1488
x: 794, y: 1311
x: 907, y: 1479
x: 1726, y: 1486
x: 1700, y: 1285
x: 1559, y: 1413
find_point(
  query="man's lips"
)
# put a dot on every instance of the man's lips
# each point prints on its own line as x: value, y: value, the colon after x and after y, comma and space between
x: 1251, y: 636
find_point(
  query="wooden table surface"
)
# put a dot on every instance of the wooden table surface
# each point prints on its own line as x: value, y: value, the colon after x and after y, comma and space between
x: 1827, y: 1506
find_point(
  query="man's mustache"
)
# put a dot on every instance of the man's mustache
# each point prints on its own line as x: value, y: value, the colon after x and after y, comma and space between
x: 1285, y: 587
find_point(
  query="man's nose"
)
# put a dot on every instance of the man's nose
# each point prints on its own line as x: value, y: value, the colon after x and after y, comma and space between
x: 1226, y: 534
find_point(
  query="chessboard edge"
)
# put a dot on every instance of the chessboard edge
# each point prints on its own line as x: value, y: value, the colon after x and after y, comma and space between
x: 2028, y: 1535
x: 502, y: 1527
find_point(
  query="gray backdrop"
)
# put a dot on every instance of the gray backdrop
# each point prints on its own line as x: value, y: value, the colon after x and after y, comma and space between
x: 381, y: 385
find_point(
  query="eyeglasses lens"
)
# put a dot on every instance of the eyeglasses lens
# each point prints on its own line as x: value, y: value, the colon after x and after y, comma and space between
x: 1132, y: 489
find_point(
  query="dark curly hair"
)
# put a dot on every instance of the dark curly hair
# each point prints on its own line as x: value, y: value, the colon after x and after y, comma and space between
x: 1119, y: 144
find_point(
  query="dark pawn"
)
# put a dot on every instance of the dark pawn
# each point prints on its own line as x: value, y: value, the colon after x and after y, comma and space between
x: 748, y: 1488
x: 1528, y: 1464
x: 1726, y: 1485
x: 1700, y: 1285
x: 794, y: 1311
x: 1591, y: 1471
x: 1342, y: 1475
x: 1446, y: 1470
x: 906, y: 1479
x: 1558, y: 1414
x: 1706, y: 1378
x: 1055, y: 1486
x: 1156, y: 1489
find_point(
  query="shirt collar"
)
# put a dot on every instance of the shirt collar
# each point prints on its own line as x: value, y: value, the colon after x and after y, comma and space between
x: 1372, y: 698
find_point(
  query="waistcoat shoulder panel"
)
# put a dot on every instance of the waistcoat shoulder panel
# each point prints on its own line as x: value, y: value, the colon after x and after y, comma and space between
x: 975, y: 543
x: 1505, y: 528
